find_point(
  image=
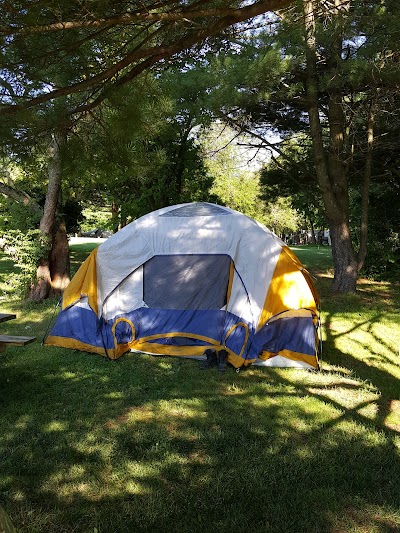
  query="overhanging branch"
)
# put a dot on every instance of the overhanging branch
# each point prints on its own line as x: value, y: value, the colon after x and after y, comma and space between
x: 147, y: 16
x: 20, y: 197
x: 149, y: 56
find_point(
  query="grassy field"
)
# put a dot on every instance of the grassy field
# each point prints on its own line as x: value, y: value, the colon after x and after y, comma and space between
x: 150, y: 444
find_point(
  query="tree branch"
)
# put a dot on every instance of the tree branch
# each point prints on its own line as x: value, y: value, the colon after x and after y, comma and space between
x: 244, y: 129
x: 20, y: 197
x: 153, y: 55
x: 132, y: 18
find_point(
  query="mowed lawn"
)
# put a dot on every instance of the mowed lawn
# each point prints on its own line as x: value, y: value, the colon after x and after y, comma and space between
x: 148, y: 444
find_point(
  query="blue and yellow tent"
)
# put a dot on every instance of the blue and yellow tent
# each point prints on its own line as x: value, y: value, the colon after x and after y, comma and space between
x: 189, y: 277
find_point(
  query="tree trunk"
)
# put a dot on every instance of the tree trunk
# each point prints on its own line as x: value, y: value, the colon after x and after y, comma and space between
x: 53, y: 271
x: 330, y: 170
x: 313, y: 238
x: 365, y: 192
x: 41, y: 289
x: 180, y: 167
x: 115, y: 217
x: 59, y: 260
x: 344, y: 258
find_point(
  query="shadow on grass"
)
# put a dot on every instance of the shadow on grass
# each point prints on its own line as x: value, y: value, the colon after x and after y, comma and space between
x: 150, y: 444
x: 153, y: 444
x: 384, y: 381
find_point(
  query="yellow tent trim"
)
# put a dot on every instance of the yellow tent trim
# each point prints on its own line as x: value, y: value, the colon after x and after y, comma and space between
x: 294, y: 356
x: 164, y: 349
x: 84, y: 283
x: 144, y: 345
x: 246, y: 338
x: 290, y: 288
x: 114, y: 326
x: 151, y: 347
x: 230, y: 282
x: 297, y: 313
x: 66, y: 342
x: 180, y: 334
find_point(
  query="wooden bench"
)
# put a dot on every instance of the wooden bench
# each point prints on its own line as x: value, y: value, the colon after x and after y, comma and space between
x: 6, y: 316
x: 12, y: 340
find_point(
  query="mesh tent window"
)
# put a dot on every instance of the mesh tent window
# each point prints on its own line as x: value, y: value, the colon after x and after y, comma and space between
x: 186, y: 281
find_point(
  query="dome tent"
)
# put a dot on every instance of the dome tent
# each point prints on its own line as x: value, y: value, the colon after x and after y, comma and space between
x: 190, y: 277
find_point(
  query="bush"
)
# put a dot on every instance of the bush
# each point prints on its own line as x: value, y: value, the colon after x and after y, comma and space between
x: 383, y: 259
x: 25, y: 249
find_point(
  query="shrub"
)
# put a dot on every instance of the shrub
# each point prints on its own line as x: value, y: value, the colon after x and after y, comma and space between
x: 25, y: 249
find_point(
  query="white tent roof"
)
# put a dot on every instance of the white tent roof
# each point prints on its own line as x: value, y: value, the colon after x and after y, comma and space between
x: 189, y: 229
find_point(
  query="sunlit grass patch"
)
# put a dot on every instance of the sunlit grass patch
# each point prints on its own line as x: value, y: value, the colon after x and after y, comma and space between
x: 149, y: 444
x: 361, y: 517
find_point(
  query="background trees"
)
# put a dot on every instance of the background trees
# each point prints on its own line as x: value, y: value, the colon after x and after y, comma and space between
x: 59, y: 63
x: 330, y: 71
x: 315, y: 85
x: 100, y: 47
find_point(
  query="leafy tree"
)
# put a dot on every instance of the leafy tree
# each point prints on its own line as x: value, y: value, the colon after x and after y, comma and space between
x: 233, y: 184
x: 137, y: 153
x: 340, y: 88
x: 102, y: 46
x: 46, y: 83
x: 238, y: 186
x: 24, y: 207
x: 328, y: 70
x: 282, y: 217
x: 289, y: 176
x: 140, y: 153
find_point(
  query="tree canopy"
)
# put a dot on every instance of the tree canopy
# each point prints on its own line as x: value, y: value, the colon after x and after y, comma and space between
x: 82, y: 51
x: 314, y: 82
x: 330, y: 72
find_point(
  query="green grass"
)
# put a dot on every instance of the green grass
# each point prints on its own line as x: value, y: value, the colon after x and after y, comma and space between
x: 78, y: 254
x: 150, y: 444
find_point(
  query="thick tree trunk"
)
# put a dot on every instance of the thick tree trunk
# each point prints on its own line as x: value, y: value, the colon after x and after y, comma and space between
x: 344, y: 258
x: 59, y: 260
x: 330, y: 170
x: 41, y: 289
x: 53, y: 271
